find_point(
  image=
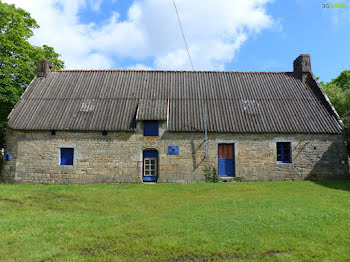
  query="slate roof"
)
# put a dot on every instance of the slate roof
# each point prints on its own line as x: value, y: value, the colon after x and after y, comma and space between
x: 240, y: 102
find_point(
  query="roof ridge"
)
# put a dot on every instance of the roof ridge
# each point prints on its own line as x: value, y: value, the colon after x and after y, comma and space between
x: 165, y: 71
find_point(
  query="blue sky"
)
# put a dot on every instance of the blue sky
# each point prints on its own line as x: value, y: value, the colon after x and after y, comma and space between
x: 306, y: 28
x: 234, y: 35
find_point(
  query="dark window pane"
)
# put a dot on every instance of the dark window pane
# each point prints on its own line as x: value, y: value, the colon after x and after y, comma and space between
x: 284, y: 151
x: 67, y: 155
x: 279, y: 157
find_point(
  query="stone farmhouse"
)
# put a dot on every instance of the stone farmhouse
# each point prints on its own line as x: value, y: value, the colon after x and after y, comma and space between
x: 124, y: 126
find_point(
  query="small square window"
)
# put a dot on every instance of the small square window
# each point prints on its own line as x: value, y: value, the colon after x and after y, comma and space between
x: 67, y: 155
x: 150, y: 128
x: 284, y: 154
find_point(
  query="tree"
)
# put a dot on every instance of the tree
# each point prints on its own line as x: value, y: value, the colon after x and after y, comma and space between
x: 18, y: 58
x: 343, y: 80
x: 338, y: 91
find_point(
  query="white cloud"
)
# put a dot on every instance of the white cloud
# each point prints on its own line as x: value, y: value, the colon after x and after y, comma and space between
x: 215, y: 31
x: 95, y: 4
x: 140, y: 67
x: 173, y: 60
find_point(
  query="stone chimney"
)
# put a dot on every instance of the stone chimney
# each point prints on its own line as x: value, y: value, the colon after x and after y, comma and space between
x: 44, y: 67
x: 302, y: 66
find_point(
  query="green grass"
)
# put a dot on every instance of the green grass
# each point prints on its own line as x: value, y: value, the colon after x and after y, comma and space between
x: 284, y: 221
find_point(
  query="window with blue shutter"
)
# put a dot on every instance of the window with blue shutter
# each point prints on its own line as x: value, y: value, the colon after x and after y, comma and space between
x: 284, y: 154
x: 173, y: 150
x: 67, y: 155
x: 150, y: 128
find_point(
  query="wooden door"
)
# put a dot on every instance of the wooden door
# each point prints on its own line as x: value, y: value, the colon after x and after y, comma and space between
x: 226, y: 160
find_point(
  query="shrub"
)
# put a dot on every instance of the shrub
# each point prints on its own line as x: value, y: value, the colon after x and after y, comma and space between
x: 238, y: 178
x: 211, y: 174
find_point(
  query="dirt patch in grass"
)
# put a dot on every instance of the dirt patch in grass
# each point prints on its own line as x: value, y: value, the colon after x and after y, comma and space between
x: 12, y: 201
x: 86, y: 251
x: 94, y: 251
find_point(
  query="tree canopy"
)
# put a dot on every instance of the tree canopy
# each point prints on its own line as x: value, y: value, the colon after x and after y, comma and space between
x: 18, y: 58
x: 338, y: 91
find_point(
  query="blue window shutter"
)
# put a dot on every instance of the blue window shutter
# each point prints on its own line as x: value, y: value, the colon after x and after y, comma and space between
x: 67, y: 155
x: 173, y: 150
x: 8, y: 156
x: 150, y: 128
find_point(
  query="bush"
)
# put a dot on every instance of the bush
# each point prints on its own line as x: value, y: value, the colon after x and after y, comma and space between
x: 211, y: 174
x: 239, y: 179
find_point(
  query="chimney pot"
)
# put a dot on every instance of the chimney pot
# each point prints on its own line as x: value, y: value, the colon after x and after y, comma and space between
x: 44, y: 67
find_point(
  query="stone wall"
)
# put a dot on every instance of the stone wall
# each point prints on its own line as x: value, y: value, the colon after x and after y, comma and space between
x: 117, y: 157
x: 347, y: 135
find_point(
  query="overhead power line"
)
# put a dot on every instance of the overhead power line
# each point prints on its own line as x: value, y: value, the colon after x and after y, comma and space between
x: 183, y: 35
x: 205, y: 104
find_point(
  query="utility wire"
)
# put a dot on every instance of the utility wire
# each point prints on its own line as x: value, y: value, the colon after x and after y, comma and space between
x: 205, y: 103
x: 183, y: 35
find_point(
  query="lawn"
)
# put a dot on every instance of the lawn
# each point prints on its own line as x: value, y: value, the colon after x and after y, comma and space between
x: 262, y: 221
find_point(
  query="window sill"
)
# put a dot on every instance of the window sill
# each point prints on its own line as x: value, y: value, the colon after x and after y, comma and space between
x: 284, y: 162
x: 66, y: 167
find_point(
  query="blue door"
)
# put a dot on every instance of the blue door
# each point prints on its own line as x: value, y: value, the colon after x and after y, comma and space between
x: 150, y: 166
x: 226, y: 160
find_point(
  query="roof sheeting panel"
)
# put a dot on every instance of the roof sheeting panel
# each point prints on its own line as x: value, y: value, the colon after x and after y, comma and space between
x: 236, y: 102
x: 250, y: 116
x: 75, y: 114
x: 152, y: 109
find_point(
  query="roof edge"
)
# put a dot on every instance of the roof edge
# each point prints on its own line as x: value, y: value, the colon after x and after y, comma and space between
x: 20, y: 99
x: 175, y: 71
x: 332, y: 108
x: 176, y: 131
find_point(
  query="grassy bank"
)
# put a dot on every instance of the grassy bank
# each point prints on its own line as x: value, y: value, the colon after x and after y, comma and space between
x: 287, y: 221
